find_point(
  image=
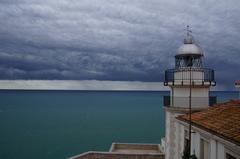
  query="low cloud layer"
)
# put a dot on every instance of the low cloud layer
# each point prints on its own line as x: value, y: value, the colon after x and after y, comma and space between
x: 80, y: 85
x: 114, y: 40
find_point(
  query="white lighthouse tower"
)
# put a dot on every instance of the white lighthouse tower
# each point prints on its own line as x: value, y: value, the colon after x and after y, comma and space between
x: 189, y: 84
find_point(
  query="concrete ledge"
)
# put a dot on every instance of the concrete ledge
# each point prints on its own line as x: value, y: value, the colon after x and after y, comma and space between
x: 114, y: 155
x: 126, y: 151
x: 184, y: 110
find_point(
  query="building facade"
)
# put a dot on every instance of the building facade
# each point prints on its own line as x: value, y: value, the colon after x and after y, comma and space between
x: 215, y: 132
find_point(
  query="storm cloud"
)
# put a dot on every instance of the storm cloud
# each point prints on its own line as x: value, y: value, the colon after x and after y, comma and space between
x: 119, y: 40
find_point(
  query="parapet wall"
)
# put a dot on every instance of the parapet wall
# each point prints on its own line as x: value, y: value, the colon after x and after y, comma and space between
x: 112, y: 155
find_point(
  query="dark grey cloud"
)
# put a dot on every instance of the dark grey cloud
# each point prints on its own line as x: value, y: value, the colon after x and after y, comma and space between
x: 114, y: 40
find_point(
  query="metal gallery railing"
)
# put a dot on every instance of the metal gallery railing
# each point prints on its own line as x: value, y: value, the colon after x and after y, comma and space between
x: 183, y: 74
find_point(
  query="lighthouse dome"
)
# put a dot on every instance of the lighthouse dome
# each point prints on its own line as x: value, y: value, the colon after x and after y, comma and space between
x: 189, y: 47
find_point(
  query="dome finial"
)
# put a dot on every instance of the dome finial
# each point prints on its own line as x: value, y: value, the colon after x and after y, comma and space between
x: 189, y: 38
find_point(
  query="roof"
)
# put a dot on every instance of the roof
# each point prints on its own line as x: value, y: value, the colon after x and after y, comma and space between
x: 189, y: 47
x: 222, y: 120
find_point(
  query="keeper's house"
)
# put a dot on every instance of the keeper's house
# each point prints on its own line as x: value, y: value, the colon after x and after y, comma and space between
x: 215, y: 132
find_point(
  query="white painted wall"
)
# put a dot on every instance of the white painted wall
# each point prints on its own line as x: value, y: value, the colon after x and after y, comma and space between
x: 213, y: 149
x: 180, y: 98
x: 220, y: 151
x: 179, y: 141
x: 196, y: 91
x: 197, y: 76
x: 172, y: 135
x: 168, y: 134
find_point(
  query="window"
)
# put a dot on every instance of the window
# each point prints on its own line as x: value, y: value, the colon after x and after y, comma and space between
x: 229, y: 156
x: 186, y: 143
x: 204, y: 149
x: 189, y: 61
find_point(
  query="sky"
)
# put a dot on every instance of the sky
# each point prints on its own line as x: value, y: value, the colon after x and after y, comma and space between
x: 115, y: 40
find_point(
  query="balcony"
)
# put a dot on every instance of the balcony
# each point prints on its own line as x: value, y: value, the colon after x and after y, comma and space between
x: 200, y: 76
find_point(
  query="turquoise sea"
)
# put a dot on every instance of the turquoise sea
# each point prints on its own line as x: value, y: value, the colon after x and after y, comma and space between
x: 59, y: 124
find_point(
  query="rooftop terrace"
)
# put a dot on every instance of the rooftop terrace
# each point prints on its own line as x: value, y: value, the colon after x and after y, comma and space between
x: 126, y: 151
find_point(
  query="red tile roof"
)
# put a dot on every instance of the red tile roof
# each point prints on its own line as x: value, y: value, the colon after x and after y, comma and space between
x: 222, y: 120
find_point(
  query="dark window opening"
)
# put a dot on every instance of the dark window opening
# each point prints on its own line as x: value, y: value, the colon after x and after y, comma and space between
x: 229, y: 156
x: 189, y: 61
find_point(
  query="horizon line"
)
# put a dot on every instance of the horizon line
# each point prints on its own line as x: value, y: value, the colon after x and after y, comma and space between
x: 94, y: 85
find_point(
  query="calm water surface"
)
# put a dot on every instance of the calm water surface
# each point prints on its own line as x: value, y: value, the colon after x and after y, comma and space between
x: 59, y: 124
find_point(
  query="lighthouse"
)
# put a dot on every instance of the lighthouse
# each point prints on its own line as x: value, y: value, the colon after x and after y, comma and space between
x: 189, y: 84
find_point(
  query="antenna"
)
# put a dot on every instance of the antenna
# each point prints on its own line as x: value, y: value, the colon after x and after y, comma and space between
x: 190, y: 113
x: 188, y: 30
